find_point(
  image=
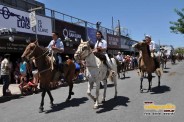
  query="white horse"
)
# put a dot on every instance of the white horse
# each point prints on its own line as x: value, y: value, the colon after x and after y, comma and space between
x: 96, y: 71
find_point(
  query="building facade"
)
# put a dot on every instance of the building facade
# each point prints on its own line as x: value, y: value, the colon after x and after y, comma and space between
x: 24, y: 5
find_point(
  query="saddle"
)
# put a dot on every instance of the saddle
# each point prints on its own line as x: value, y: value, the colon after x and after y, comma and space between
x: 101, y: 56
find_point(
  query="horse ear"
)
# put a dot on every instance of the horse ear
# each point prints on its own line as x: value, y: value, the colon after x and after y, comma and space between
x: 82, y: 40
x: 36, y: 42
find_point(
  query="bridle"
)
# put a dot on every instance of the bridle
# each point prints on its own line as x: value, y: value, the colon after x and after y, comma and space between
x: 36, y: 58
x: 80, y: 54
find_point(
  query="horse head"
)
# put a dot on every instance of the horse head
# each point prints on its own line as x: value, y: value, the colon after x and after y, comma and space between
x: 140, y: 46
x: 83, y: 51
x: 30, y: 51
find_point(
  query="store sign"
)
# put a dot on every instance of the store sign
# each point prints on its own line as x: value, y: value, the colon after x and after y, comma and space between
x: 13, y: 18
x: 17, y: 46
x: 69, y: 30
x: 113, y: 41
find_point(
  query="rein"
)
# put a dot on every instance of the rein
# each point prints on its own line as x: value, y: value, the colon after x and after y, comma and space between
x: 36, y: 58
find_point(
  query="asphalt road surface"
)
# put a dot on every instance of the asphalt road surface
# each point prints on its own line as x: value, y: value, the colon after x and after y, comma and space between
x: 129, y: 106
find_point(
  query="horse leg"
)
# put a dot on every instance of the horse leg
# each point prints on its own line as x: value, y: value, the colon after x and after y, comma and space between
x: 115, y: 86
x: 141, y: 79
x: 165, y: 65
x: 149, y: 80
x: 105, y: 88
x: 97, y: 94
x: 42, y: 101
x: 90, y: 86
x: 158, y: 81
x: 51, y: 98
x: 70, y: 90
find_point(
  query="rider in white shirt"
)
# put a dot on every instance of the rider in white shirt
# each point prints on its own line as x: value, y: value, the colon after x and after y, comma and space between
x: 152, y: 49
x: 119, y: 57
x: 56, y: 45
x: 100, y: 49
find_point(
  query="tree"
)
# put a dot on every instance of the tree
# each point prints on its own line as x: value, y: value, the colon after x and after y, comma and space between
x: 179, y: 50
x: 178, y: 27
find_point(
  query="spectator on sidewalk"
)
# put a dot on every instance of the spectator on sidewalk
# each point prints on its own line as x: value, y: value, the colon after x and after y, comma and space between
x: 5, y: 71
x: 35, y: 72
x: 23, y: 69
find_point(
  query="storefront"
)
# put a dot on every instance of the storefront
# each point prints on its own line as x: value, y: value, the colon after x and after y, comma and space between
x: 71, y: 34
x: 14, y: 42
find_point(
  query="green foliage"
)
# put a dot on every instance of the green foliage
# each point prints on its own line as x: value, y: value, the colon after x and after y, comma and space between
x: 179, y: 50
x: 178, y: 26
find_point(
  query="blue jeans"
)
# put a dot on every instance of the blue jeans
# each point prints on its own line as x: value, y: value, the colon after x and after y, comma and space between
x: 58, y: 60
x: 6, y: 82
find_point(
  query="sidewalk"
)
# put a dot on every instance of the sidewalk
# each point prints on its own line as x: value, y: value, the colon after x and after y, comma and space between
x: 13, y: 88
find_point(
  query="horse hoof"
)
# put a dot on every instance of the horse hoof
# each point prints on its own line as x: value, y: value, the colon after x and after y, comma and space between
x: 103, y: 101
x: 141, y: 90
x: 94, y: 99
x: 67, y: 100
x: 41, y: 109
x: 72, y: 93
x: 95, y: 107
x: 51, y: 105
x: 149, y: 90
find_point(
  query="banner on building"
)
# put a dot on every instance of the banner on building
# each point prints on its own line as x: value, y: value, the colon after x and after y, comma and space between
x: 69, y: 30
x: 13, y: 18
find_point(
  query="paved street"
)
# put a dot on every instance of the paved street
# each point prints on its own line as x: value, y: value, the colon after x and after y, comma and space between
x: 128, y: 107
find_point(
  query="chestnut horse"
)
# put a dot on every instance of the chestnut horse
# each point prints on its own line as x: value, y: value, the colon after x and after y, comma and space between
x: 47, y: 74
x: 147, y: 64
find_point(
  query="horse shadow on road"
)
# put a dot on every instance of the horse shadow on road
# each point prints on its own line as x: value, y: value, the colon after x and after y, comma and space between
x: 167, y: 68
x: 165, y: 71
x: 8, y: 98
x: 112, y: 103
x: 75, y: 102
x: 161, y: 89
x: 125, y: 77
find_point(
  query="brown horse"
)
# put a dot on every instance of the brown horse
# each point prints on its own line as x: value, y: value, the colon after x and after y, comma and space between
x: 121, y: 69
x: 147, y: 64
x: 163, y: 59
x: 46, y: 72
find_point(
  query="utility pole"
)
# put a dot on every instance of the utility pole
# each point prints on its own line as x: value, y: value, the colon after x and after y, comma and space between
x: 113, y: 24
x: 119, y: 28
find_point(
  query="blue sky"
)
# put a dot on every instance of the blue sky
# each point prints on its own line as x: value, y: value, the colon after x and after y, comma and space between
x: 138, y: 16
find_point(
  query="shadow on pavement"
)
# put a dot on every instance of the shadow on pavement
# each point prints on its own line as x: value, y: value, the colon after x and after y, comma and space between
x: 112, y: 103
x: 165, y: 71
x: 167, y: 68
x: 161, y: 89
x: 125, y: 77
x: 8, y: 98
x: 75, y: 102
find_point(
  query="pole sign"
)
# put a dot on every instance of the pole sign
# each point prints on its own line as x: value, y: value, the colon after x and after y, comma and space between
x: 32, y: 18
